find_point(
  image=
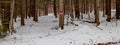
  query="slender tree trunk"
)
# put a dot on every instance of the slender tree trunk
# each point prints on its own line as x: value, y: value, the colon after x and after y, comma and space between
x: 26, y: 8
x: 103, y: 8
x: 108, y: 10
x: 117, y: 9
x: 84, y: 6
x: 77, y: 12
x: 64, y: 7
x: 35, y: 18
x: 11, y: 17
x: 82, y: 9
x: 96, y: 7
x: 71, y: 10
x: 55, y: 9
x: 15, y: 11
x: 22, y: 12
x: 46, y: 7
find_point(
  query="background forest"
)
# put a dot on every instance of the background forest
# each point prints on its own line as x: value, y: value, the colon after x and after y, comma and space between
x: 63, y: 13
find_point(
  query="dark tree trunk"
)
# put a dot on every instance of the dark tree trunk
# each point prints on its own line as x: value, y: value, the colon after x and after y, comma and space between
x: 22, y: 12
x: 55, y: 9
x: 117, y: 9
x: 103, y: 8
x: 15, y: 11
x: 96, y: 8
x: 82, y: 9
x: 108, y: 10
x: 35, y: 5
x: 26, y: 9
x: 46, y: 7
x: 77, y: 12
x: 71, y: 10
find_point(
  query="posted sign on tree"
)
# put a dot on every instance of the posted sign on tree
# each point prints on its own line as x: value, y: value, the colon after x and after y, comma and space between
x: 61, y: 14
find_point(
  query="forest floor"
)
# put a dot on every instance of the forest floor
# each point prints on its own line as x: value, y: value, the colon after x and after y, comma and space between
x: 47, y: 32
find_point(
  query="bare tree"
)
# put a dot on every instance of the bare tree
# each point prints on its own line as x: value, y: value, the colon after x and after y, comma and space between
x: 36, y: 11
x: 11, y: 17
x: 108, y: 10
x: 55, y: 9
x: 22, y: 12
x: 96, y: 8
x: 77, y: 11
x: 117, y: 9
x: 61, y: 14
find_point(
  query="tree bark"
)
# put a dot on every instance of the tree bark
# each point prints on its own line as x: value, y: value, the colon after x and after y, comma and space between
x: 117, y: 9
x: 108, y: 10
x: 61, y: 14
x: 22, y: 12
x: 46, y: 7
x: 71, y: 10
x: 55, y: 9
x: 77, y: 12
x: 11, y: 17
x: 35, y: 18
x: 96, y: 8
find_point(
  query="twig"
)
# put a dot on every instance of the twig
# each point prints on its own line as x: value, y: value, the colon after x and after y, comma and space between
x: 99, y: 28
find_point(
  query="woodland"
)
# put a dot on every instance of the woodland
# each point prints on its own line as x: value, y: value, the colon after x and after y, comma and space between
x: 23, y: 19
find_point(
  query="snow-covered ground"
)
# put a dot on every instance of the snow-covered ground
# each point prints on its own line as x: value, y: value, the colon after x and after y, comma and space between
x: 46, y: 32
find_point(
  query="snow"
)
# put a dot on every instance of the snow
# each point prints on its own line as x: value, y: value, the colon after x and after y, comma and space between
x: 47, y: 32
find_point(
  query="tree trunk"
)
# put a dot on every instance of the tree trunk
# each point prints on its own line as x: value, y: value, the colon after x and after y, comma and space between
x: 22, y: 12
x: 77, y: 12
x: 11, y: 17
x: 55, y: 9
x: 71, y: 10
x: 46, y: 7
x: 108, y: 10
x: 61, y: 14
x: 15, y: 11
x: 103, y: 8
x: 35, y: 18
x: 96, y: 8
x: 117, y: 9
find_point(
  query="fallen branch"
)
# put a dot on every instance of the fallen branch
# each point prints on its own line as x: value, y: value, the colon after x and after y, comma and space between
x: 89, y: 21
x: 109, y: 43
x: 99, y: 28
